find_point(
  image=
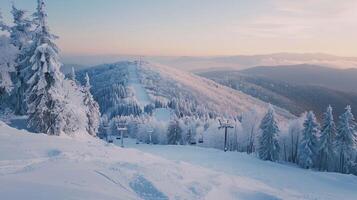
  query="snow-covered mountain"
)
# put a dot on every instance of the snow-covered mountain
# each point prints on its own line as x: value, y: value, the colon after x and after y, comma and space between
x: 130, y: 88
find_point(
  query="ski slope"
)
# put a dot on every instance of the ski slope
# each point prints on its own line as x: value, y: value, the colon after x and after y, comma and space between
x: 36, y: 166
x: 134, y: 82
x: 141, y: 95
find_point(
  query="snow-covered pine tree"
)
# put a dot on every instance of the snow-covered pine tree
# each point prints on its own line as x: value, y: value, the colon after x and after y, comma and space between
x: 5, y: 79
x: 174, y: 133
x: 92, y: 107
x: 20, y: 33
x: 21, y: 36
x: 346, y: 140
x: 3, y: 26
x: 45, y: 97
x: 308, y: 143
x: 8, y: 54
x: 327, y: 141
x: 268, y: 141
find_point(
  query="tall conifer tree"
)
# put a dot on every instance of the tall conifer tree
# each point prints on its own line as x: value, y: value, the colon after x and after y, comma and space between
x: 45, y: 97
x: 327, y: 141
x: 308, y: 144
x: 268, y: 141
x: 92, y: 108
x: 346, y: 140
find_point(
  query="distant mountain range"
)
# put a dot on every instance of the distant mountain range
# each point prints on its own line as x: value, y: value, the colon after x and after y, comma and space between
x: 297, y: 88
x: 343, y: 80
x: 237, y: 62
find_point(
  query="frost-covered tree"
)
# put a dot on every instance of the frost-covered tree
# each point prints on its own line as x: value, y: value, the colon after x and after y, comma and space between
x: 174, y: 133
x: 293, y: 138
x: 308, y: 143
x: 3, y: 26
x: 188, y: 126
x: 7, y: 57
x: 327, y: 141
x: 45, y: 97
x: 92, y: 107
x: 7, y: 65
x: 20, y: 32
x: 21, y: 37
x: 268, y: 141
x: 250, y: 126
x: 346, y: 140
x: 233, y: 144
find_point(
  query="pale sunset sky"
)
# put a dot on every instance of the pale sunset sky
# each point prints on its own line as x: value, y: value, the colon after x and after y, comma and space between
x: 199, y: 27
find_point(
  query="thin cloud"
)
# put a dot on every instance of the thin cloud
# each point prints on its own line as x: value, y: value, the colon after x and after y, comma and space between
x: 303, y: 19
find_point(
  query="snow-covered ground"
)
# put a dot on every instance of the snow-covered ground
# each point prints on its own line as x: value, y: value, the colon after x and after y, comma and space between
x: 307, y: 184
x: 36, y: 166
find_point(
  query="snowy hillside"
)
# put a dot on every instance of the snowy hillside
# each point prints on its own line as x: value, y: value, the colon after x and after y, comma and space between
x: 36, y: 166
x: 141, y: 84
x: 281, y: 90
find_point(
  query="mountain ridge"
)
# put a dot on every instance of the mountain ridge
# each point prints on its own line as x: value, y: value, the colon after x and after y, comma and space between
x: 163, y: 83
x: 306, y: 74
x: 280, y: 88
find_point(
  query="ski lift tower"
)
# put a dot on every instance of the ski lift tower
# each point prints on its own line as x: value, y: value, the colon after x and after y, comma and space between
x: 122, y: 128
x: 225, y: 125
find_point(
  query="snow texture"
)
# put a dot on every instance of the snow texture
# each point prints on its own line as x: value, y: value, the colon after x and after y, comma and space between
x: 37, y: 166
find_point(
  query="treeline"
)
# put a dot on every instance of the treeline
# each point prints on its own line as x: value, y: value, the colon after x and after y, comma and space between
x: 146, y: 129
x: 303, y: 141
x: 31, y: 81
x: 326, y: 147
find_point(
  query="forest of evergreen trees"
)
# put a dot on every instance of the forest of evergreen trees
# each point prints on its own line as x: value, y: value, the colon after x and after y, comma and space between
x: 32, y: 83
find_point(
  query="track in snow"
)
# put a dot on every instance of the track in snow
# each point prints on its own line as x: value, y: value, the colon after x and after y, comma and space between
x: 315, y: 185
